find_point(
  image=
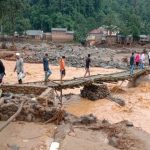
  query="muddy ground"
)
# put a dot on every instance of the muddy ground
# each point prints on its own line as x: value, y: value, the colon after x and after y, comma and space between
x: 26, y: 136
x: 111, y: 137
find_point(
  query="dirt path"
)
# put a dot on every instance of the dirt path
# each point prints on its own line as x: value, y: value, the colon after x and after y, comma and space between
x: 86, y: 140
x: 26, y: 136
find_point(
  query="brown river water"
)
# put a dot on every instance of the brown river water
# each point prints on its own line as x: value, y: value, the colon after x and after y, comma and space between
x: 137, y: 109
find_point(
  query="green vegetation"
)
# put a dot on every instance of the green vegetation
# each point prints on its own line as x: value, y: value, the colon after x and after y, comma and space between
x: 131, y: 16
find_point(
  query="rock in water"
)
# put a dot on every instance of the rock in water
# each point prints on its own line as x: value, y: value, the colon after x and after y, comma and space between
x: 95, y: 91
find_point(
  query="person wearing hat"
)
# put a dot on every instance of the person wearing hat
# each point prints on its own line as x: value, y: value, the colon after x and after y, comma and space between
x: 19, y: 68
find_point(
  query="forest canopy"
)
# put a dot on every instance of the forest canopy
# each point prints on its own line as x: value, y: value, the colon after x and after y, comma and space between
x: 131, y: 16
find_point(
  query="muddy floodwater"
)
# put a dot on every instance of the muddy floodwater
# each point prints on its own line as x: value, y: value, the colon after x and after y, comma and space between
x: 137, y: 109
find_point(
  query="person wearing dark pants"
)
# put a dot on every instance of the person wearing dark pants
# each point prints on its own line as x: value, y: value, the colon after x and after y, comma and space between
x: 2, y: 71
x: 62, y: 68
x: 149, y: 57
x: 132, y: 64
x: 87, y: 65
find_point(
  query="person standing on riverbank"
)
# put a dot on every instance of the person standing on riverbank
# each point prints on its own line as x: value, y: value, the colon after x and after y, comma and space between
x: 62, y: 68
x: 142, y: 60
x: 19, y: 68
x: 46, y: 67
x: 149, y: 57
x: 2, y: 71
x: 87, y: 65
x: 132, y: 64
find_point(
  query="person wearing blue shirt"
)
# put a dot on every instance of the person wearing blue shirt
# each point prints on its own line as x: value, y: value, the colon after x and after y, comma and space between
x: 46, y: 67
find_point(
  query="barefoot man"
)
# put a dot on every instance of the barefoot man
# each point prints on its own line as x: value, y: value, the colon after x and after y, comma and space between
x: 87, y: 65
x: 62, y: 68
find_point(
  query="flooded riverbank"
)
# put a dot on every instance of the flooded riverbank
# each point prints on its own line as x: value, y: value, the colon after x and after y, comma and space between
x: 136, y: 110
x: 137, y: 99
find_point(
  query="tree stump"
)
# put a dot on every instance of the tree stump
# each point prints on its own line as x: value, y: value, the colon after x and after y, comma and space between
x: 95, y: 91
x: 47, y: 97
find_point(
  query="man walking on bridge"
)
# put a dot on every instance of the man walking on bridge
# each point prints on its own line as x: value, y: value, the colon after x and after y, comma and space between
x: 2, y: 71
x: 87, y: 65
x: 46, y: 67
x: 149, y: 57
x: 19, y: 68
x: 142, y: 60
x: 132, y: 64
x: 62, y: 68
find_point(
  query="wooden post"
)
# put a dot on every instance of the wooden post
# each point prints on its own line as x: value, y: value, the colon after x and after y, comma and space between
x: 61, y: 95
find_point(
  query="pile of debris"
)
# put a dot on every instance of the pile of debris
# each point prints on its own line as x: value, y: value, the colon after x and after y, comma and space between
x: 100, y: 91
x: 32, y: 110
x: 36, y: 108
x: 95, y: 91
x: 75, y: 54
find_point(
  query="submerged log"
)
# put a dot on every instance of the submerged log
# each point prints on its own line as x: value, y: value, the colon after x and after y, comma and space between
x: 117, y: 100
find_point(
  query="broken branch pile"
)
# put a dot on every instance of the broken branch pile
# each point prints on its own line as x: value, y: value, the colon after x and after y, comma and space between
x: 32, y: 110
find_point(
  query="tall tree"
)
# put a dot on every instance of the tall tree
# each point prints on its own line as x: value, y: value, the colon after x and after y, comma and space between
x: 14, y: 8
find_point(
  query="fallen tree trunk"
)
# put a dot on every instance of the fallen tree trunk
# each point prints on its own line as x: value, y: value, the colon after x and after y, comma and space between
x: 117, y: 100
x: 57, y: 118
x: 14, y: 116
x: 47, y: 97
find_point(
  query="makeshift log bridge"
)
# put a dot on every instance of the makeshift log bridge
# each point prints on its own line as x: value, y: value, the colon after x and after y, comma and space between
x: 38, y: 87
x: 100, y: 78
x: 76, y: 82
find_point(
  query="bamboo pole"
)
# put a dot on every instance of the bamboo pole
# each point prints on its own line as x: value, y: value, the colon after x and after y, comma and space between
x: 13, y: 116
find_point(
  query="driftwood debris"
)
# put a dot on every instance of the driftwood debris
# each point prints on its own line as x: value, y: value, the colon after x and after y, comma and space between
x: 14, y: 116
x: 47, y: 97
x: 58, y: 117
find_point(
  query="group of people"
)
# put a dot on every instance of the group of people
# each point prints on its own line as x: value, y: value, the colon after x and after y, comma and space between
x: 48, y: 71
x: 19, y: 68
x: 138, y: 60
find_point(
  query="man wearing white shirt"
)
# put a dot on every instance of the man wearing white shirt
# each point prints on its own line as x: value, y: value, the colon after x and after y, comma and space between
x: 149, y: 57
x: 142, y: 60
